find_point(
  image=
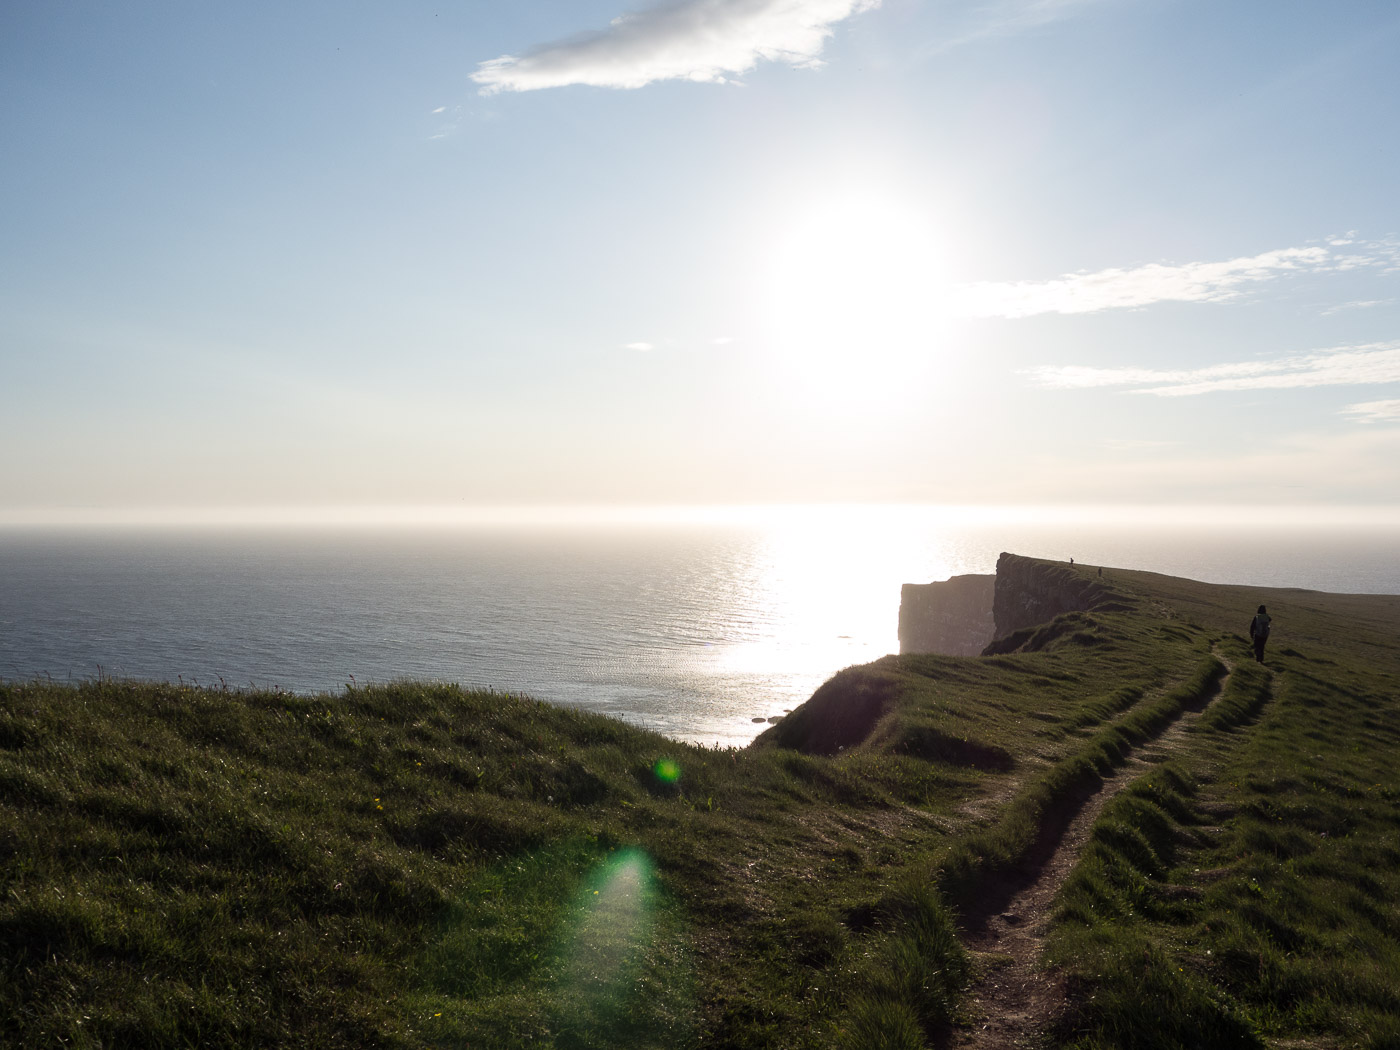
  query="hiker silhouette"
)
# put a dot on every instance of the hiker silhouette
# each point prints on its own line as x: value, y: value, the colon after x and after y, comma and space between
x: 1259, y: 632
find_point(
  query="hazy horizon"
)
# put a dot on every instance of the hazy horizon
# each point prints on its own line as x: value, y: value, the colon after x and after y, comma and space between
x: 1146, y: 516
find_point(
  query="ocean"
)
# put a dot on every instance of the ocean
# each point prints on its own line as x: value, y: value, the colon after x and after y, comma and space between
x: 700, y: 631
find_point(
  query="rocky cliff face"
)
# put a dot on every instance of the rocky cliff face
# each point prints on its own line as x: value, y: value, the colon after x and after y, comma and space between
x: 972, y: 615
x: 953, y: 617
x: 1030, y: 592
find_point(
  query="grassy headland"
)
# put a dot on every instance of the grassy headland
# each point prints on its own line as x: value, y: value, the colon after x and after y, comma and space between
x: 413, y: 865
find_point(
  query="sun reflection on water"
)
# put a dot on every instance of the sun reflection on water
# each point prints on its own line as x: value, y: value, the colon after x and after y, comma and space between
x: 828, y: 587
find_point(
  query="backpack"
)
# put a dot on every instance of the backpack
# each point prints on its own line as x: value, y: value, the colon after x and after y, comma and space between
x: 1259, y: 628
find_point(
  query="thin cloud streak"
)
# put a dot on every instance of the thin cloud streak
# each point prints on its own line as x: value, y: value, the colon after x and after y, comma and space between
x: 1359, y: 304
x: 1375, y: 411
x: 1198, y: 282
x: 997, y: 18
x: 700, y: 40
x: 1339, y: 366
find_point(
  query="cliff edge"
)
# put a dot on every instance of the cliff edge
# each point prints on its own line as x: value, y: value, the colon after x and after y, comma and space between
x: 1030, y: 593
x: 975, y: 614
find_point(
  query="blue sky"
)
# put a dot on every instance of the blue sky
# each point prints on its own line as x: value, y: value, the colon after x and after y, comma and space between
x: 300, y: 258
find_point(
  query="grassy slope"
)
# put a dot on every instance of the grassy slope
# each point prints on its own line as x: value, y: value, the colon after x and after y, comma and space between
x: 1248, y: 892
x: 412, y: 865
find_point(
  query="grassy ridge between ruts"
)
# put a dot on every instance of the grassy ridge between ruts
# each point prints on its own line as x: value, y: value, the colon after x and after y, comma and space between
x: 1249, y: 892
x: 412, y: 865
x: 967, y: 870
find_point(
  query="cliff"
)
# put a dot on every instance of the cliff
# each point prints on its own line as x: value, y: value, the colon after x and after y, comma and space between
x: 1030, y: 593
x: 953, y: 617
x: 973, y: 614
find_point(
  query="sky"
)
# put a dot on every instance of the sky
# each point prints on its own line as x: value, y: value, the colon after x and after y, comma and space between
x: 319, y: 258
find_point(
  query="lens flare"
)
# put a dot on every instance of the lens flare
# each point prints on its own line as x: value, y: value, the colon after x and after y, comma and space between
x: 581, y: 937
x: 667, y: 770
x: 607, y: 946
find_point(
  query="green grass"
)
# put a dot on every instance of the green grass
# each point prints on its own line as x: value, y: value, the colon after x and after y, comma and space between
x: 1249, y: 892
x: 408, y: 865
x: 415, y: 865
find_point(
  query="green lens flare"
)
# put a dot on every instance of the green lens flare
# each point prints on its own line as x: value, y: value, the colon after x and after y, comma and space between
x: 608, y: 948
x: 667, y: 770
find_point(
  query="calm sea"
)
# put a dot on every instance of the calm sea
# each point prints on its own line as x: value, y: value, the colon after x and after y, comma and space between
x: 694, y: 631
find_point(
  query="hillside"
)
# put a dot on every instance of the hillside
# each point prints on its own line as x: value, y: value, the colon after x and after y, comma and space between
x: 1119, y: 831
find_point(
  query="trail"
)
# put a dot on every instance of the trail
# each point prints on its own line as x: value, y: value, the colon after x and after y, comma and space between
x: 1015, y: 1002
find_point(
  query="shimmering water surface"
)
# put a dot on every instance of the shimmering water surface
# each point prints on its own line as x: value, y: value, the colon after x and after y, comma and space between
x: 691, y: 630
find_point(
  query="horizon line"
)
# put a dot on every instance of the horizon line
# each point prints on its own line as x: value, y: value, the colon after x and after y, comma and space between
x: 537, y: 515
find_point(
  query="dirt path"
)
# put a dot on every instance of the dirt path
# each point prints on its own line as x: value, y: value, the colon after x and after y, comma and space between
x: 1014, y: 1002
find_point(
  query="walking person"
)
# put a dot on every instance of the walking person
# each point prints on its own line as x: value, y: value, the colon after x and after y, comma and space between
x: 1259, y: 632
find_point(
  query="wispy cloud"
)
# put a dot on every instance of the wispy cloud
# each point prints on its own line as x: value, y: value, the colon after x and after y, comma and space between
x: 1338, y: 366
x: 995, y: 18
x: 1375, y: 411
x: 639, y: 346
x: 1359, y: 304
x: 448, y: 123
x: 700, y: 40
x: 1197, y: 282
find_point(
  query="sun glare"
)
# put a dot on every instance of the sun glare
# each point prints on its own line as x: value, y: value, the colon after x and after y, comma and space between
x: 829, y: 579
x: 851, y: 293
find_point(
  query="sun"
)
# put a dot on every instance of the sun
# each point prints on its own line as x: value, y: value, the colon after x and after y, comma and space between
x: 851, y: 292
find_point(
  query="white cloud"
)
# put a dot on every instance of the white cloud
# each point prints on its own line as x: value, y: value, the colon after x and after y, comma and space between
x: 700, y: 40
x: 1198, y: 282
x: 1375, y: 411
x: 1115, y: 288
x: 1338, y: 366
x: 1359, y: 304
x: 639, y: 346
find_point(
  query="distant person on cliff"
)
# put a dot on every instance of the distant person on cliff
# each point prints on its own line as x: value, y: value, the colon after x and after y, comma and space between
x: 1259, y: 632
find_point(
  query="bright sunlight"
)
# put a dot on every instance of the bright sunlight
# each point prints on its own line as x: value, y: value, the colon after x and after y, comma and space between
x: 851, y: 293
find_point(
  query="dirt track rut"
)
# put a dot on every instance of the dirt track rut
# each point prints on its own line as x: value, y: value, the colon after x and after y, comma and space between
x: 1014, y: 1001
